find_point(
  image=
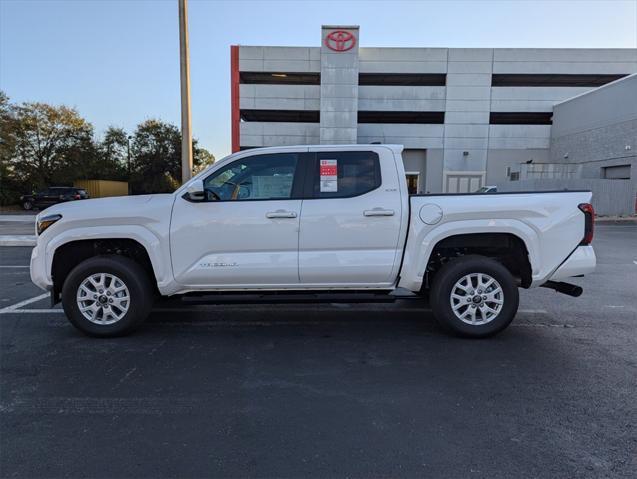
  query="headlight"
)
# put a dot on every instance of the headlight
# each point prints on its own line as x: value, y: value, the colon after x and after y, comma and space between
x: 46, y: 221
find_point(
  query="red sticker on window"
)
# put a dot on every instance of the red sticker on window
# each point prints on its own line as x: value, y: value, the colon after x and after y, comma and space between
x: 328, y: 172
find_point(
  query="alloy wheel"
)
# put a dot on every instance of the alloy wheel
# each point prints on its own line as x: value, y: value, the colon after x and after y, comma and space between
x: 103, y: 298
x: 476, y: 299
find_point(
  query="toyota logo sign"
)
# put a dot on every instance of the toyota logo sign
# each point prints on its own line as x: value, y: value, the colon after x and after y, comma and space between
x: 340, y: 40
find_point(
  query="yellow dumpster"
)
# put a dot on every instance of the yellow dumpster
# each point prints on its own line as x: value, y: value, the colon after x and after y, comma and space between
x: 103, y: 188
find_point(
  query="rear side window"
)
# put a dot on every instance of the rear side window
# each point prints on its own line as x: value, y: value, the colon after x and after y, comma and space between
x: 345, y: 174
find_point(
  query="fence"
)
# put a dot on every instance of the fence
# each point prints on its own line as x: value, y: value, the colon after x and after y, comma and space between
x: 103, y: 188
x: 610, y: 197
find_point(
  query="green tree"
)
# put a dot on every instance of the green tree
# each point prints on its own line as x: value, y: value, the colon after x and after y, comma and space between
x: 43, y: 145
x: 51, y: 144
x: 112, y: 161
x: 201, y: 157
x: 156, y: 152
x: 7, y: 141
x: 9, y: 186
x: 156, y: 163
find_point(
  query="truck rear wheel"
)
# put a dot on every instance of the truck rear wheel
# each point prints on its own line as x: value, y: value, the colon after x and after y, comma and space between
x: 107, y: 296
x: 474, y: 296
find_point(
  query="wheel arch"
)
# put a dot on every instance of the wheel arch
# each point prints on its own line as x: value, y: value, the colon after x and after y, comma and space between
x: 69, y: 254
x: 507, y: 248
x: 422, y: 244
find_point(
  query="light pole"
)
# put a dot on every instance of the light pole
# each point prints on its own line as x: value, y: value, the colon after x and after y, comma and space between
x: 128, y: 139
x: 184, y: 64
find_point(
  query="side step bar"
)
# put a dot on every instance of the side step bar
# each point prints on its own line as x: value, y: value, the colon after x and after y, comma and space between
x: 298, y: 297
x: 564, y: 288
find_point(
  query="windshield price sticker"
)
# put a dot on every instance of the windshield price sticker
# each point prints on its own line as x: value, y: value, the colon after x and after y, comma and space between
x: 328, y: 171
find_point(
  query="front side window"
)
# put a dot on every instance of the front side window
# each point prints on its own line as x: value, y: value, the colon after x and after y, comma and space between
x: 262, y: 177
x: 345, y: 174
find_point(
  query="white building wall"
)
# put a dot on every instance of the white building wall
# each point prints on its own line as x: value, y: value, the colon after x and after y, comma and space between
x: 411, y: 136
x: 466, y: 142
x: 279, y: 97
x: 403, y: 60
x: 407, y: 98
x: 258, y: 134
x: 279, y: 59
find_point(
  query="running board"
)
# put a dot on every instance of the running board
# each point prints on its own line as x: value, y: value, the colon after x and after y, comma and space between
x: 564, y: 288
x: 298, y: 297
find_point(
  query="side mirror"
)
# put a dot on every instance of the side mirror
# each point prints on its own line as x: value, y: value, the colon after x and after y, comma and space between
x: 195, y: 190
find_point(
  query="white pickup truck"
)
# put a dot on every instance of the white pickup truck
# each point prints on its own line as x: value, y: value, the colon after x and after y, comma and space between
x: 311, y: 221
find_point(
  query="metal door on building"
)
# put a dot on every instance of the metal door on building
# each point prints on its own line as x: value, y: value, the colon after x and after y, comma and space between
x: 463, y: 182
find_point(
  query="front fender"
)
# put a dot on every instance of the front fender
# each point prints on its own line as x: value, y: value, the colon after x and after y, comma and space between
x: 157, y: 253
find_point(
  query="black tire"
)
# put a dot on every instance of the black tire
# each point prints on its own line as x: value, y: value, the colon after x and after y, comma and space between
x: 130, y: 273
x: 444, y: 283
x: 27, y: 205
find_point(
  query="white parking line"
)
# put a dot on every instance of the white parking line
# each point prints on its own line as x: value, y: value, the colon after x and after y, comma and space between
x: 17, y: 240
x: 31, y: 311
x: 3, y: 266
x: 14, y: 307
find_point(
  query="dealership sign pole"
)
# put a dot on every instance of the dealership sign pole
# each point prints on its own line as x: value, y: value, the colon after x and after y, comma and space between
x: 184, y: 63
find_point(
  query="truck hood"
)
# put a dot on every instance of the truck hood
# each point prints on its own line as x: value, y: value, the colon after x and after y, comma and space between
x: 114, y: 210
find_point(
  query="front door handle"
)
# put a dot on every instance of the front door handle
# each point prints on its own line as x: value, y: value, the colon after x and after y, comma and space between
x: 378, y: 212
x: 280, y: 214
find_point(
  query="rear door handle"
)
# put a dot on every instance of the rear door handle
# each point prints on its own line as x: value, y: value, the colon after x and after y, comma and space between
x: 280, y: 214
x: 378, y: 212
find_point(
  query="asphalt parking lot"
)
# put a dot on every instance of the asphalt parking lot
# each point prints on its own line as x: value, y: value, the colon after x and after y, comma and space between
x: 326, y: 390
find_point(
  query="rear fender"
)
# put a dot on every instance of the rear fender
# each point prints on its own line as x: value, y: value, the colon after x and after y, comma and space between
x: 421, y: 243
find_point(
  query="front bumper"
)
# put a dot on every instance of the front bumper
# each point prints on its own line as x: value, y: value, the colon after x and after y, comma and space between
x: 39, y: 274
x: 581, y: 262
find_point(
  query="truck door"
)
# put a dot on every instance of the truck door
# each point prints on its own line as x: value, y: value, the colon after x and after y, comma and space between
x: 245, y: 233
x: 350, y: 220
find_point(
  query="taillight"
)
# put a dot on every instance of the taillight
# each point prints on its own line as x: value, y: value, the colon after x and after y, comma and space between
x: 589, y: 222
x: 77, y: 197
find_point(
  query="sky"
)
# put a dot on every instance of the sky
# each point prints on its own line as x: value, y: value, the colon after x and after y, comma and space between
x: 117, y: 61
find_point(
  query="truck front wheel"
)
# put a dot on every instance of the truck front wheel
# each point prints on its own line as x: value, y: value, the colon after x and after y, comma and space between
x: 107, y: 296
x: 474, y: 296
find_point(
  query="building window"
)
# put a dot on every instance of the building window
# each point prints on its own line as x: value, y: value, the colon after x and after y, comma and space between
x: 294, y: 116
x: 524, y: 79
x: 279, y: 78
x: 425, y: 117
x: 521, y: 118
x: 402, y: 79
x: 619, y: 172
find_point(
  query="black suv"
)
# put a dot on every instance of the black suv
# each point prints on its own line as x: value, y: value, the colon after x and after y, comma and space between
x: 52, y: 196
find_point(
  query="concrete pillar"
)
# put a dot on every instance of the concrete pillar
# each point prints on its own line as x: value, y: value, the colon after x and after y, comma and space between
x: 339, y: 84
x: 468, y: 103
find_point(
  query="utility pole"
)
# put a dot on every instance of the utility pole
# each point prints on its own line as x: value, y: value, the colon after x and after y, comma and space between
x: 128, y: 139
x: 184, y: 64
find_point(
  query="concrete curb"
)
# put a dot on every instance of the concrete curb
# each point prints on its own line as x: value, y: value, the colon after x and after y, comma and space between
x: 17, y: 240
x: 616, y: 219
x: 18, y: 218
